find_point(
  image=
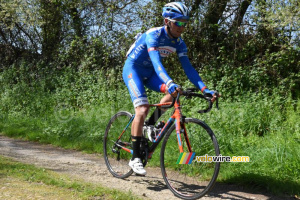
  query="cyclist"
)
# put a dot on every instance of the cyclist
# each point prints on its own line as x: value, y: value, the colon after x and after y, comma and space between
x: 144, y: 67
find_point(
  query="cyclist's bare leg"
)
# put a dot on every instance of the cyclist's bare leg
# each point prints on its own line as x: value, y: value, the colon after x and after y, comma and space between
x: 138, y: 122
x: 166, y: 98
x: 136, y: 133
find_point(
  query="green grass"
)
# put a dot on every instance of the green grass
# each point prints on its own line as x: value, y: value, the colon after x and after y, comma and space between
x: 44, y: 181
x: 49, y: 182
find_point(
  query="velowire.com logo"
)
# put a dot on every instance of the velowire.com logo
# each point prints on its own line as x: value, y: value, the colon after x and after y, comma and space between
x: 187, y: 158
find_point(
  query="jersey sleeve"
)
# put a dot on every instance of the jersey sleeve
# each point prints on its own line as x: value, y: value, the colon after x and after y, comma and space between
x: 189, y: 70
x: 152, y: 42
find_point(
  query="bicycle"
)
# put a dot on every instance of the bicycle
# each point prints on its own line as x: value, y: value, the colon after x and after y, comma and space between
x: 186, y: 181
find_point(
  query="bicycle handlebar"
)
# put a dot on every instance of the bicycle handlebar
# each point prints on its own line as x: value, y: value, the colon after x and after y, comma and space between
x: 189, y: 93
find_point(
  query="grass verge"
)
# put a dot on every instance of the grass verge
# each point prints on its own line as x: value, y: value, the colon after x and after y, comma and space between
x: 23, y: 181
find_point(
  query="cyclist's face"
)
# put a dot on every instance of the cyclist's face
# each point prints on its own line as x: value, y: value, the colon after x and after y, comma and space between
x: 176, y: 31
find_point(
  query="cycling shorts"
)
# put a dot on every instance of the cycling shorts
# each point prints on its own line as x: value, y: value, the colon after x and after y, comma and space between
x: 136, y: 77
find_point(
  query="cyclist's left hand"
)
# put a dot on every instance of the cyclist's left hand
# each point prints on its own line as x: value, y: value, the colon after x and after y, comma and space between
x: 213, y: 95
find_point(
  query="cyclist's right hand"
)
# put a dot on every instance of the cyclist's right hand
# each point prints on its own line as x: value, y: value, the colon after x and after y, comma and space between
x: 172, y: 88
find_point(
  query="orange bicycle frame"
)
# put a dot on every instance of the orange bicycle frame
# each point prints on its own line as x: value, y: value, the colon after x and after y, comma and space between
x: 179, y: 124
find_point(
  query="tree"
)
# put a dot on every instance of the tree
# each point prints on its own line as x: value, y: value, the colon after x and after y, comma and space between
x: 51, y: 29
x: 239, y: 16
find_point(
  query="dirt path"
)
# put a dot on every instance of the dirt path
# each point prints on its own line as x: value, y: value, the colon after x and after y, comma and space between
x: 92, y: 168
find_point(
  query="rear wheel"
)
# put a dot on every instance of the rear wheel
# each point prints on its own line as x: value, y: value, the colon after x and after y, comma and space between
x: 116, y: 158
x: 190, y: 181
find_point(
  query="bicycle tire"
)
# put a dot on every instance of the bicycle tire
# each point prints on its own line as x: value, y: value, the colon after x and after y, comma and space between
x: 117, y: 159
x: 190, y: 181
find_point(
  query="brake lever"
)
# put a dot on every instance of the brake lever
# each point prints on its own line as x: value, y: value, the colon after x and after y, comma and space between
x: 217, y: 103
x: 217, y: 100
x: 210, y: 104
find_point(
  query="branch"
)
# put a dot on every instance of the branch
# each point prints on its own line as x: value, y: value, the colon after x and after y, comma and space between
x: 3, y: 36
x: 130, y: 2
x: 215, y: 11
x: 212, y: 17
x: 196, y: 5
x: 31, y: 40
x: 240, y: 15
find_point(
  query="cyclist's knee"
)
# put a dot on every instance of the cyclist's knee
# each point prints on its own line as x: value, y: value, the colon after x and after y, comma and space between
x: 142, y: 111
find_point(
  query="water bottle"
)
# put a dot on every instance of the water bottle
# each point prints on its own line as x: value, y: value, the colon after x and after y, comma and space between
x: 148, y: 132
x: 151, y: 131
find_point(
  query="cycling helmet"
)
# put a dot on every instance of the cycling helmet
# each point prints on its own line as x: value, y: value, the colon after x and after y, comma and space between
x: 175, y: 10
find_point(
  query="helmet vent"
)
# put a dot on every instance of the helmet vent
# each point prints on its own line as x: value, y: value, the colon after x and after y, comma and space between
x: 179, y: 8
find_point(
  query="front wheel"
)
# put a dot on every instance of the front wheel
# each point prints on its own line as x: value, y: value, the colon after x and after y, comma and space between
x: 194, y: 180
x: 117, y: 138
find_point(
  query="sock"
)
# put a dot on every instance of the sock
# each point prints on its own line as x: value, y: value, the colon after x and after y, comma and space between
x: 136, y: 143
x: 155, y: 116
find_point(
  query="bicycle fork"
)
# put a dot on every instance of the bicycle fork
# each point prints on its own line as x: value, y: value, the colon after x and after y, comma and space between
x: 180, y: 128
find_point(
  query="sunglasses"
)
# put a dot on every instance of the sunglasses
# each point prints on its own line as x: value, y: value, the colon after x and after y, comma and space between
x: 179, y: 23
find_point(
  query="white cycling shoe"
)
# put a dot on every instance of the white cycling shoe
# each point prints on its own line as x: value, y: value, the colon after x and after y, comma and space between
x: 137, y: 166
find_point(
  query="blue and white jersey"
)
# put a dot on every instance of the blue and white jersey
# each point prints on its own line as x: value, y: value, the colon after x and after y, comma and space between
x: 155, y: 39
x: 151, y: 47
